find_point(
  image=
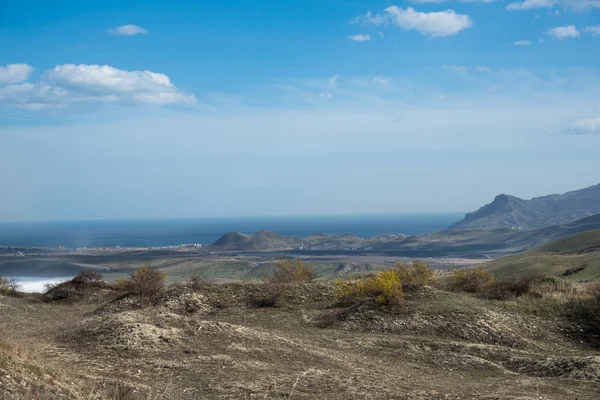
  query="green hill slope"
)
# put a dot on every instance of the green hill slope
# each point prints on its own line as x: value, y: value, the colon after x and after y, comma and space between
x: 576, y: 256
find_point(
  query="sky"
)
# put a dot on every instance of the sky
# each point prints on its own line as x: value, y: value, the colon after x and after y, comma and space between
x: 173, y: 109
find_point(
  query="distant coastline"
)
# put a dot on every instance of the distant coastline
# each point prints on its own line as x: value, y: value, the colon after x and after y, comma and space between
x: 172, y: 233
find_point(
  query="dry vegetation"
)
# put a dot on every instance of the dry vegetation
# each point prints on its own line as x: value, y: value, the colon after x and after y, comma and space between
x: 144, y: 281
x: 9, y: 286
x: 396, y: 334
x: 288, y: 271
x: 386, y: 287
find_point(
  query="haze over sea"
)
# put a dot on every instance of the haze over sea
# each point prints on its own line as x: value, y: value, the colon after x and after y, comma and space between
x: 172, y: 232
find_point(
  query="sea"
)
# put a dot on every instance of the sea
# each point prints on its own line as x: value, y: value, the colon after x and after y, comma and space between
x: 174, y: 232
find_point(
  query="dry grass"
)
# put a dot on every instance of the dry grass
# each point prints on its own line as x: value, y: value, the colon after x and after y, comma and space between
x: 25, y: 362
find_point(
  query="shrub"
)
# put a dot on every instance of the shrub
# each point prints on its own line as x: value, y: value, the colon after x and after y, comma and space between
x: 349, y: 292
x: 269, y: 297
x: 417, y: 275
x: 9, y: 286
x: 471, y: 280
x: 290, y: 270
x: 88, y: 277
x: 385, y: 288
x: 144, y: 281
x: 4, y: 289
x: 122, y: 284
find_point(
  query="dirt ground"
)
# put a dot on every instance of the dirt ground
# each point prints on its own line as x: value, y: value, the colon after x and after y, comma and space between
x: 215, y: 343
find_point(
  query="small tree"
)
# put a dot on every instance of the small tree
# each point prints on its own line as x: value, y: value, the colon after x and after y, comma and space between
x: 9, y: 286
x: 4, y: 288
x: 14, y: 285
x: 290, y: 270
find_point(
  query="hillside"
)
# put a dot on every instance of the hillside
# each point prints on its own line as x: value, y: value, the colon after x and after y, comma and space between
x: 218, y: 342
x: 444, y: 243
x: 576, y: 256
x: 512, y: 212
x: 268, y: 241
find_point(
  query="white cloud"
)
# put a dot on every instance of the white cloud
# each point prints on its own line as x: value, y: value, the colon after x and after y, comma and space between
x: 360, y: 37
x: 71, y: 84
x: 455, y: 67
x: 382, y: 80
x: 531, y: 4
x: 564, y: 32
x: 594, y: 30
x: 522, y: 43
x: 332, y: 81
x: 105, y: 77
x: 577, y: 5
x: 128, y: 30
x: 325, y: 95
x: 14, y: 73
x: 482, y: 68
x: 369, y: 18
x: 440, y: 23
x: 584, y: 126
x: 443, y: 23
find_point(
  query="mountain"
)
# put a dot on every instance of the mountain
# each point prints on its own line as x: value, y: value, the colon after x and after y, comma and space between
x: 512, y: 212
x: 457, y: 242
x: 576, y: 256
x: 269, y: 241
x: 260, y: 241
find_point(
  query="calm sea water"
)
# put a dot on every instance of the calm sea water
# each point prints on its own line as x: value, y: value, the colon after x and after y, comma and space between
x: 158, y: 233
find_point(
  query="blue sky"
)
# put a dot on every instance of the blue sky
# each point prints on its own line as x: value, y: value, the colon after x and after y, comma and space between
x: 133, y: 109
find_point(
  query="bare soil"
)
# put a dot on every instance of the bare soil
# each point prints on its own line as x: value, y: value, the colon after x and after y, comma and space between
x: 214, y: 343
